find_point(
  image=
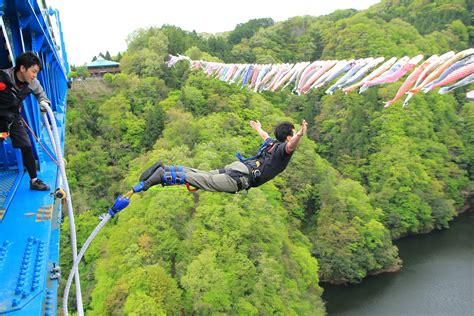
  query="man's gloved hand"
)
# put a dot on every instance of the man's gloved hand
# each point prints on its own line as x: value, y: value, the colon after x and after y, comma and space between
x: 43, y: 105
x: 148, y: 172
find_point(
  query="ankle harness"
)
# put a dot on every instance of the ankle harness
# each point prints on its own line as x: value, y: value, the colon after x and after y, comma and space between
x: 173, y: 175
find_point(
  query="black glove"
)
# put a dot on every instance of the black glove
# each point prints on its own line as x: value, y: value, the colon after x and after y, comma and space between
x: 148, y: 172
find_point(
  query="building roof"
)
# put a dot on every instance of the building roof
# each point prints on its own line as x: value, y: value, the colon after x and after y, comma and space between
x: 102, y: 63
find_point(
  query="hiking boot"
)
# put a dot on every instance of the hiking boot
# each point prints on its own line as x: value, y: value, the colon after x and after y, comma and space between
x: 148, y: 172
x: 154, y: 179
x: 38, y: 185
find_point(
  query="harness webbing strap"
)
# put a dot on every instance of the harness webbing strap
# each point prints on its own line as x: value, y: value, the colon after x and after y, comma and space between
x: 181, y: 175
x: 268, y: 142
x: 174, y: 175
x: 188, y: 186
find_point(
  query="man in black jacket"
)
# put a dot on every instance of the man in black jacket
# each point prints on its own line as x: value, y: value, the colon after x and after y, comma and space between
x: 271, y: 159
x: 15, y: 85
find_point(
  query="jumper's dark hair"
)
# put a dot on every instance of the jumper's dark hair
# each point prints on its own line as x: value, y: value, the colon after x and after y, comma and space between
x: 283, y: 130
x: 27, y: 60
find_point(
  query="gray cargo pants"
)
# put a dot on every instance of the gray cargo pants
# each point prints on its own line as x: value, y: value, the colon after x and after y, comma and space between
x: 215, y: 181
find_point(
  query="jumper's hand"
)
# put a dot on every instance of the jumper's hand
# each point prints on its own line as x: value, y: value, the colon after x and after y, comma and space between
x: 304, y: 127
x: 43, y: 105
x: 255, y: 124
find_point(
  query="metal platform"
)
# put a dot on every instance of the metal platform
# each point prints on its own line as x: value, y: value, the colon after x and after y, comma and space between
x: 9, y: 180
x: 29, y: 242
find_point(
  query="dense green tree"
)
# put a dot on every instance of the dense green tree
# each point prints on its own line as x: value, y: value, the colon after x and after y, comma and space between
x: 147, y: 49
x: 426, y: 16
x: 118, y: 58
x: 220, y: 47
x: 149, y: 290
x: 467, y: 129
x: 196, y: 54
x: 72, y: 74
x: 248, y: 29
x: 82, y: 72
x: 179, y: 40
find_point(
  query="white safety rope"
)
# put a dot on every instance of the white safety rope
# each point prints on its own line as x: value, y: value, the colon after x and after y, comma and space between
x: 72, y: 227
x: 105, y: 219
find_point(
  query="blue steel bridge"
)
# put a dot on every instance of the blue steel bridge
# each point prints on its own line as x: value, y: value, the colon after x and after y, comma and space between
x: 30, y: 220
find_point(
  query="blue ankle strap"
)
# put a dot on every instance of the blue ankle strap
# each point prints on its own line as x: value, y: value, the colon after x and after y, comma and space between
x: 174, y: 175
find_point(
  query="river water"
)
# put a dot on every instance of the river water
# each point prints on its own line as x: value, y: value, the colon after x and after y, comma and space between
x: 437, y: 278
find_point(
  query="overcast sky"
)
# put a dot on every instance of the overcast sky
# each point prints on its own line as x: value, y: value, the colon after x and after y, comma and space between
x: 93, y: 26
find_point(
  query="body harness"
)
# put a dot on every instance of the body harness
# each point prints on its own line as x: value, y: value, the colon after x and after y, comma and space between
x: 253, y: 163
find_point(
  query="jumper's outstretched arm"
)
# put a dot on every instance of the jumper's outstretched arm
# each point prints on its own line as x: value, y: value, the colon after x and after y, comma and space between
x: 295, y: 140
x: 256, y: 125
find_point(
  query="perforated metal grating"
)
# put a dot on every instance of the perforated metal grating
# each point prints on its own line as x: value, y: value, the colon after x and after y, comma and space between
x: 7, y: 179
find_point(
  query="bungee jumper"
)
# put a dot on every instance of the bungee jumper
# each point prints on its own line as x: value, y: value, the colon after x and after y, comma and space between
x: 271, y: 159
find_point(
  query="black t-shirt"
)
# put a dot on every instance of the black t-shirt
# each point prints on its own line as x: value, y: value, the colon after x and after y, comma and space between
x: 272, y: 162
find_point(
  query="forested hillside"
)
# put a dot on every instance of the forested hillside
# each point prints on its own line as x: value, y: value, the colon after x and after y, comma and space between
x: 364, y: 176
